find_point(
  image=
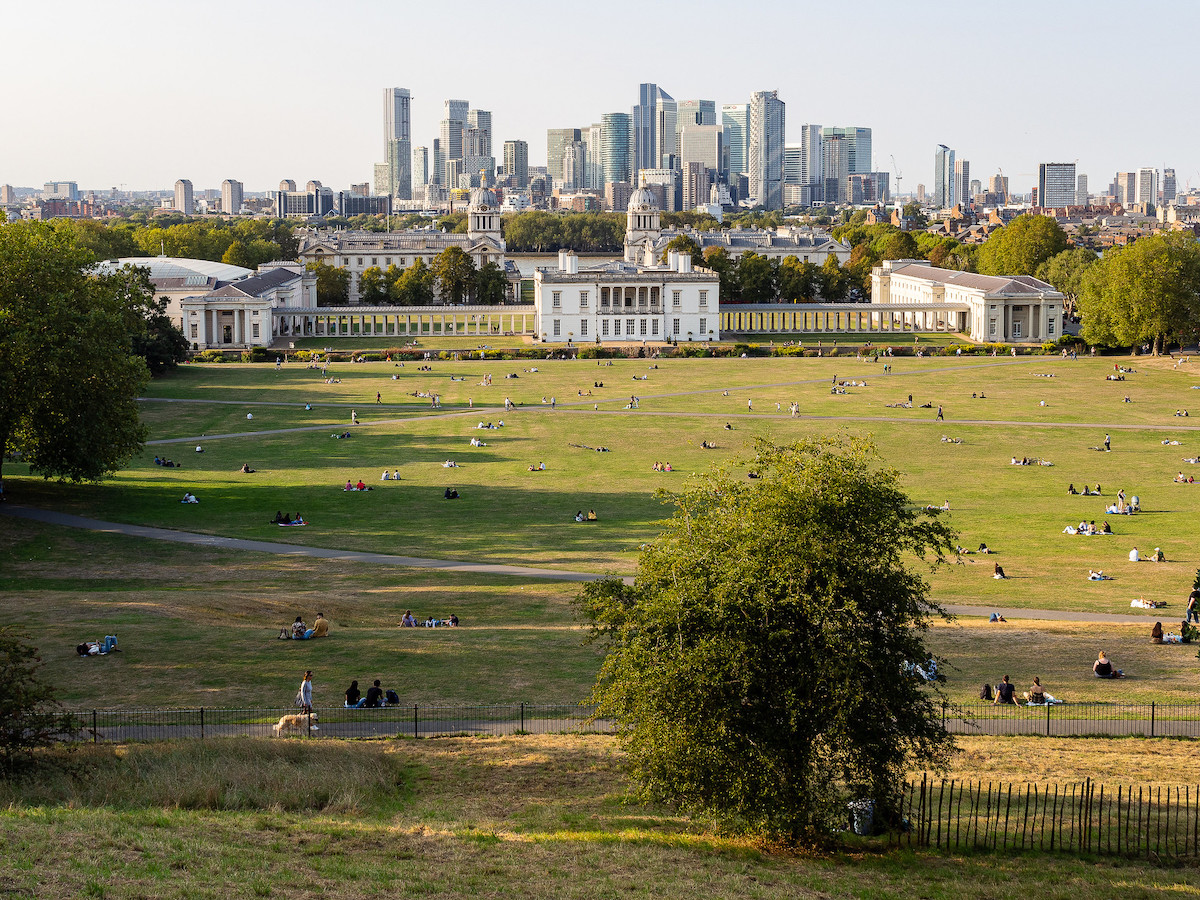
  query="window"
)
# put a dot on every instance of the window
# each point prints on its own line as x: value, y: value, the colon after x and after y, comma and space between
x: 616, y: 327
x: 583, y: 299
x: 703, y: 299
x: 604, y: 296
x: 255, y: 313
x: 992, y: 328
x: 387, y: 260
x: 676, y: 298
x: 360, y: 262
x: 195, y: 330
x: 674, y: 326
x: 254, y: 330
x: 604, y: 327
x: 654, y: 326
x: 583, y: 328
x: 557, y: 299
x: 403, y: 262
x: 629, y: 327
x: 642, y: 327
x: 1050, y: 327
x: 374, y: 260
x: 557, y: 327
x: 703, y: 327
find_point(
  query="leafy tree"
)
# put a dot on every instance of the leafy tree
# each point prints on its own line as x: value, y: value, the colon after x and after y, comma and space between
x: 454, y: 223
x: 535, y: 231
x: 454, y: 271
x: 758, y: 278
x: 920, y: 220
x: 491, y: 285
x: 798, y: 281
x: 1021, y: 246
x: 414, y: 286
x: 29, y: 714
x: 159, y: 342
x: 717, y: 259
x: 372, y: 287
x: 755, y: 668
x: 237, y: 255
x: 1066, y: 272
x: 701, y: 221
x: 834, y: 283
x: 899, y: 245
x: 69, y: 379
x: 683, y: 243
x: 333, y: 284
x: 1148, y: 291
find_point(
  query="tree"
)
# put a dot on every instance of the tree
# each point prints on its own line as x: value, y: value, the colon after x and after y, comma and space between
x: 414, y: 286
x: 913, y: 211
x: 717, y: 259
x: 1066, y: 271
x: 333, y: 284
x: 491, y: 285
x: 372, y: 288
x: 683, y: 243
x: 757, y: 276
x: 834, y: 283
x: 1148, y: 291
x: 454, y: 271
x: 29, y: 715
x: 69, y: 379
x: 798, y: 281
x: 899, y: 245
x: 1021, y: 246
x: 755, y: 668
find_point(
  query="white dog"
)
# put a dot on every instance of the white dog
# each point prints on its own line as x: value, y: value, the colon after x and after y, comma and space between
x: 293, y: 722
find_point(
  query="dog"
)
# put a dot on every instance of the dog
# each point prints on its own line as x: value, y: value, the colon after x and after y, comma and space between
x: 293, y: 722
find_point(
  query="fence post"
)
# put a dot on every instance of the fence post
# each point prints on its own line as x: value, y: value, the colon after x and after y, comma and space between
x: 522, y: 715
x: 95, y: 734
x: 1152, y: 710
x: 415, y: 733
x: 202, y: 723
x: 1047, y: 720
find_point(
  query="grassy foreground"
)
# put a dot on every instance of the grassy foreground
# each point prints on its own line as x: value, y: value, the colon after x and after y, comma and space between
x: 521, y: 817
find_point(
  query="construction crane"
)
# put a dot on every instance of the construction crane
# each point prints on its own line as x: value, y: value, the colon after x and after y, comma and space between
x: 899, y: 175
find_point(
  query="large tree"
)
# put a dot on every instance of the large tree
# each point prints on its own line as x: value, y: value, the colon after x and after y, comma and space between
x: 69, y: 376
x: 1066, y: 272
x: 758, y: 277
x: 333, y: 284
x: 1021, y: 246
x: 758, y: 667
x: 491, y: 285
x: 30, y: 717
x: 413, y: 286
x: 455, y: 273
x: 1146, y: 292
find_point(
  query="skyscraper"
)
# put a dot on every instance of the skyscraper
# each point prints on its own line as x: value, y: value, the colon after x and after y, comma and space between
x: 943, y: 176
x: 811, y: 171
x: 793, y: 163
x: 962, y: 182
x: 1081, y: 190
x: 481, y: 121
x: 450, y: 136
x: 666, y: 128
x: 516, y: 162
x: 856, y: 145
x: 835, y: 165
x: 704, y: 144
x: 593, y: 170
x: 1126, y: 193
x: 1147, y: 186
x: 420, y: 167
x: 231, y: 197
x: 396, y: 169
x: 693, y: 112
x: 655, y: 107
x: 616, y: 147
x: 1056, y: 185
x: 557, y: 140
x: 767, y: 121
x: 1168, y: 186
x: 183, y: 197
x: 735, y: 118
x: 998, y: 184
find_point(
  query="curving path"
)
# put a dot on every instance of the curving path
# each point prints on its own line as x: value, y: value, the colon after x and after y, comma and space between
x: 416, y: 562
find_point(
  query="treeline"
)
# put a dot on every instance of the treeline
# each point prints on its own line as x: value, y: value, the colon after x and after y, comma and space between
x: 451, y: 275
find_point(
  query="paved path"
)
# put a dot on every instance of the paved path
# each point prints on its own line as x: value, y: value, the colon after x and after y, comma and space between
x: 384, y: 559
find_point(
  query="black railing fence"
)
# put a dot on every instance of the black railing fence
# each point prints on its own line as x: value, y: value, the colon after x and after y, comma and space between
x: 1152, y: 820
x: 1149, y: 719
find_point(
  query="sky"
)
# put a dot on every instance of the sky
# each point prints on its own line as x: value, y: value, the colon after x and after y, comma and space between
x: 124, y: 93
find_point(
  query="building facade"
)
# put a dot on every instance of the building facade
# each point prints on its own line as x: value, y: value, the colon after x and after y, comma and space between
x: 765, y: 148
x: 516, y: 162
x: 1056, y: 185
x: 183, y: 197
x: 943, y: 176
x: 231, y: 197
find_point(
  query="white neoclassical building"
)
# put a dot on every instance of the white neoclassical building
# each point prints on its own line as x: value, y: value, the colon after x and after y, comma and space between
x: 995, y: 309
x: 637, y: 299
x: 176, y: 278
x: 247, y: 312
x: 357, y: 251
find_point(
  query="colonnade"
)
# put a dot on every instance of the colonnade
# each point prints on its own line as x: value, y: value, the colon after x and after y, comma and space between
x: 852, y: 318
x: 386, y: 321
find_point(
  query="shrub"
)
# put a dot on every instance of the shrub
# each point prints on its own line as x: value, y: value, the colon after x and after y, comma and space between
x: 30, y: 717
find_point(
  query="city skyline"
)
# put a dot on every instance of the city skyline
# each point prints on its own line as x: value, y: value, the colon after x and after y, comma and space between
x: 120, y: 124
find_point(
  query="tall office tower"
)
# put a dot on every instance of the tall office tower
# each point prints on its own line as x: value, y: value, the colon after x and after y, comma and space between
x: 696, y: 184
x: 60, y: 190
x: 704, y: 144
x: 654, y: 107
x: 7, y: 194
x: 1126, y: 192
x: 394, y: 175
x: 767, y: 121
x: 593, y: 169
x: 556, y: 142
x: 835, y: 166
x: 287, y: 185
x: 920, y: 193
x: 976, y: 187
x: 450, y: 132
x: 735, y: 118
x: 437, y: 171
x: 811, y: 171
x: 1056, y: 185
x: 1147, y: 186
x: 666, y: 130
x: 420, y: 167
x: 1168, y: 186
x: 1081, y: 190
x: 231, y: 197
x: 693, y: 112
x: 857, y: 144
x: 481, y: 121
x: 616, y: 148
x: 943, y: 176
x: 183, y: 196
x: 793, y: 164
x: 962, y: 182
x: 998, y: 184
x: 574, y: 158
x: 516, y: 162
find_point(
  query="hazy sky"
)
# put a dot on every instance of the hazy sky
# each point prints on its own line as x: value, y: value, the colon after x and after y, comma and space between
x: 138, y: 94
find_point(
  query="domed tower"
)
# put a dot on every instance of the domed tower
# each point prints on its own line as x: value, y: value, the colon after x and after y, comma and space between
x: 483, y: 213
x: 641, y: 223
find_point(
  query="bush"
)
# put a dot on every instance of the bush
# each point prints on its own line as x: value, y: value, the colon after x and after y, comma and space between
x: 210, y: 356
x: 30, y: 717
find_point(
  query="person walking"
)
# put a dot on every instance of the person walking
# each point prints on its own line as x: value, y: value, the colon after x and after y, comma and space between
x: 1107, y: 444
x: 940, y: 417
x: 1193, y: 607
x: 353, y: 417
x: 749, y: 405
x: 304, y: 697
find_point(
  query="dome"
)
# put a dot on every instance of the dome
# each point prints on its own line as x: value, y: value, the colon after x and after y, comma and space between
x: 643, y: 198
x: 483, y: 198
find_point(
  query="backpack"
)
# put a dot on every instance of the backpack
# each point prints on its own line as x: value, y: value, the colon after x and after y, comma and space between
x: 392, y: 698
x: 985, y: 692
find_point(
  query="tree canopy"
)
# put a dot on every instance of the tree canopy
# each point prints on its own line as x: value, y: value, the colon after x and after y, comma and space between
x: 1066, y: 272
x: 69, y: 374
x: 756, y: 669
x: 1021, y: 246
x: 454, y: 271
x: 333, y: 284
x: 1146, y: 292
x: 29, y: 715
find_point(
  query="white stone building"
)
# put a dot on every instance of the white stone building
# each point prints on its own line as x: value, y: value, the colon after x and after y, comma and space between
x: 176, y: 279
x: 360, y: 250
x: 241, y: 314
x: 989, y: 308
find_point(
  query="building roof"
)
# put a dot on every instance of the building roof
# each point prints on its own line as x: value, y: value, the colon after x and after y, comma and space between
x: 992, y: 284
x: 191, y: 272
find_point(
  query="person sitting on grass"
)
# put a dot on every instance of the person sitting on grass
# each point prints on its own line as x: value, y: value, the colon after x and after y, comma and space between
x: 1035, y: 696
x: 1158, y: 556
x: 999, y: 573
x: 996, y: 617
x: 189, y: 497
x: 246, y: 470
x: 1156, y: 633
x: 451, y: 494
x: 1071, y: 489
x: 299, y: 629
x: 1103, y: 667
x: 579, y: 516
x: 983, y: 548
x: 591, y: 516
x: 354, y: 697
x: 374, y: 698
x: 320, y: 628
x: 1005, y: 693
x: 360, y: 486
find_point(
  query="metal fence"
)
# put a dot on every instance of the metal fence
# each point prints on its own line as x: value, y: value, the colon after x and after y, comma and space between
x: 337, y: 722
x: 1150, y: 820
x: 1151, y: 719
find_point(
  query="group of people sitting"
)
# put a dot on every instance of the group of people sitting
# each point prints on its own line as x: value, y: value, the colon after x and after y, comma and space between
x: 983, y: 548
x: 301, y: 632
x: 189, y: 497
x: 590, y: 517
x: 540, y: 467
x: 411, y: 621
x: 1030, y: 461
x: 166, y: 463
x: 450, y: 494
x: 662, y: 467
x: 1184, y: 479
x: 1156, y: 556
x: 1086, y: 492
x: 490, y: 425
x: 1006, y: 693
x: 350, y: 486
x: 1088, y: 528
x: 282, y: 518
x: 1187, y: 634
x: 246, y: 470
x: 376, y: 697
x: 341, y: 436
x: 395, y: 476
